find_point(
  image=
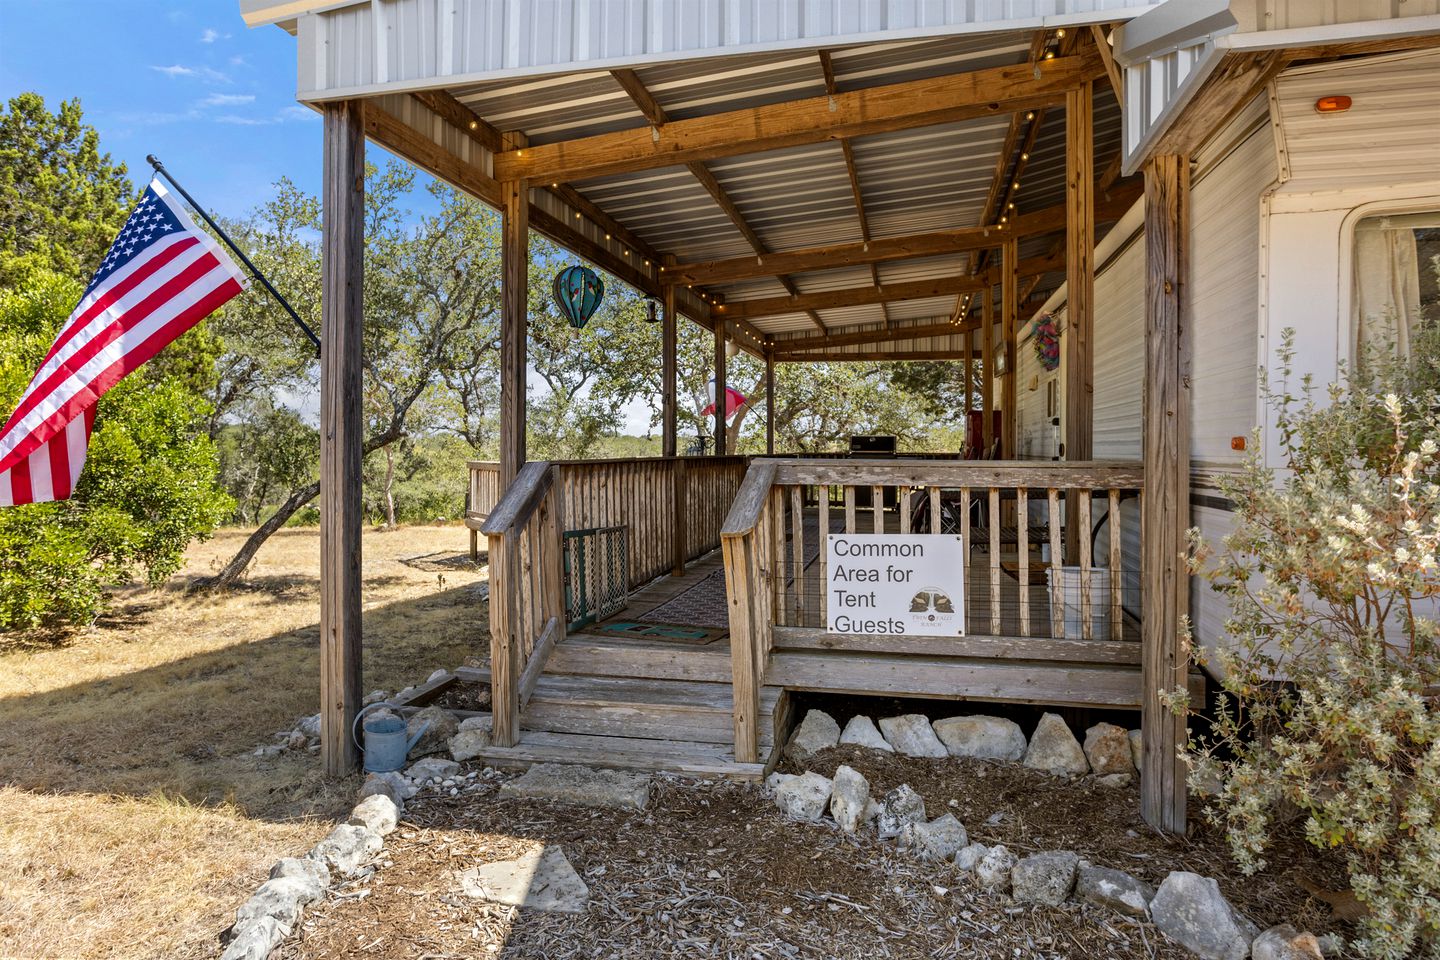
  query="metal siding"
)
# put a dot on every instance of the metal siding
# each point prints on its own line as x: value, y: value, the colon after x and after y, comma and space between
x: 1119, y: 354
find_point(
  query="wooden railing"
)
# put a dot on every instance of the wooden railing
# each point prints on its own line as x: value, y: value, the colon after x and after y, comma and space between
x: 526, y: 592
x: 1011, y: 516
x: 483, y: 495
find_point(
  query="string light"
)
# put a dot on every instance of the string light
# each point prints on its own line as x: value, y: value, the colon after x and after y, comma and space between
x: 1030, y: 115
x: 1060, y: 32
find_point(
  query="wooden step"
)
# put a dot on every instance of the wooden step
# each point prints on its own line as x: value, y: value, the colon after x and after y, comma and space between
x: 624, y: 657
x: 655, y: 756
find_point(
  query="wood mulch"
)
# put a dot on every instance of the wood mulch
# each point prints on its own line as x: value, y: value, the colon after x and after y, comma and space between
x: 713, y: 870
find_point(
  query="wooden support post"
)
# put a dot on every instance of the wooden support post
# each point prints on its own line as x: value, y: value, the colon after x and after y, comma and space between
x: 669, y: 335
x: 770, y: 402
x: 1165, y: 507
x: 720, y: 387
x: 680, y: 516
x: 1009, y: 321
x: 987, y: 371
x: 969, y: 377
x: 514, y: 301
x: 1079, y: 293
x: 341, y: 423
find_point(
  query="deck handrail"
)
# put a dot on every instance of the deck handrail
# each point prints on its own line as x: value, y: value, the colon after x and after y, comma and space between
x: 520, y: 499
x: 749, y: 500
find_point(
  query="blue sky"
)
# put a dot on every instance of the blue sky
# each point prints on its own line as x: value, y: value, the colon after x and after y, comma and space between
x: 183, y: 79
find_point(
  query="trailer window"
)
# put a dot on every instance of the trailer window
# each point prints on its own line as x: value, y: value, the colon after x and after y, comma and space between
x: 1397, y: 280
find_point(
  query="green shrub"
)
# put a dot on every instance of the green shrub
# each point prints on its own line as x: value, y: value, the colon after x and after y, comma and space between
x: 147, y: 490
x: 1329, y: 709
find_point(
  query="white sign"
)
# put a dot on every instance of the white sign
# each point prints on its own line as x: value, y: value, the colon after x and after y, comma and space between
x: 895, y: 583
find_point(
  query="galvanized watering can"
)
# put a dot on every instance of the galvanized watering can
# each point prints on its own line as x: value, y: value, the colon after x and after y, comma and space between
x: 385, y: 746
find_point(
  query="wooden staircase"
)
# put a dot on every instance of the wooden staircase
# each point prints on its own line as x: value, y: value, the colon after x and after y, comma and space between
x: 630, y: 703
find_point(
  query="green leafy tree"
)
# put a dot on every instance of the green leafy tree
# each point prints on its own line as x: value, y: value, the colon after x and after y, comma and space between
x: 61, y: 200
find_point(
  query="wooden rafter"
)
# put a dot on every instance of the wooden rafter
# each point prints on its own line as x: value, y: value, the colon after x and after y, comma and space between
x: 872, y: 110
x: 847, y: 150
x: 646, y: 103
x: 851, y: 297
x: 947, y: 328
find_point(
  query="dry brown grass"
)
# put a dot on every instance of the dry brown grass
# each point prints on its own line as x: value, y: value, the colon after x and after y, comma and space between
x: 135, y: 816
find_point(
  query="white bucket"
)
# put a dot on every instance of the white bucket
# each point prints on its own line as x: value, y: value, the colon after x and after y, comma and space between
x: 1069, y: 590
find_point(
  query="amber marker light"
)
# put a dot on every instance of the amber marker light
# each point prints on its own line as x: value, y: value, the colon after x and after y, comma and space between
x: 1335, y: 104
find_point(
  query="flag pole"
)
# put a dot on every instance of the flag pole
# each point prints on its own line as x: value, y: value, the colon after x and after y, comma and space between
x: 154, y: 161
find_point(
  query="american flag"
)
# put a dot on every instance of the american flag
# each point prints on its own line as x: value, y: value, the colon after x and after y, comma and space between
x: 160, y: 278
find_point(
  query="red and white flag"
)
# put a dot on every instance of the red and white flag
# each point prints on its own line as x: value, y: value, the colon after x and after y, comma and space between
x: 160, y: 278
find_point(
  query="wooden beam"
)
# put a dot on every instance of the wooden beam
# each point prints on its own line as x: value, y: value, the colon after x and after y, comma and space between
x: 1107, y: 57
x: 847, y: 152
x: 720, y: 387
x: 884, y: 249
x: 770, y: 402
x: 341, y: 426
x: 855, y: 296
x: 987, y: 368
x: 871, y: 355
x: 969, y: 381
x: 1009, y: 324
x: 945, y: 328
x: 1166, y: 504
x: 669, y: 333
x: 514, y: 319
x: 900, y: 106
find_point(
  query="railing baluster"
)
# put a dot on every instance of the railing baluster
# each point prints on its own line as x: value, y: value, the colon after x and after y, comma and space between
x: 1117, y: 610
x: 1056, y: 571
x: 849, y: 509
x: 994, y: 519
x: 1022, y: 549
x: 823, y: 529
x: 797, y: 551
x: 1087, y: 626
x: 902, y: 499
x: 777, y: 566
x: 936, y: 521
x: 877, y: 507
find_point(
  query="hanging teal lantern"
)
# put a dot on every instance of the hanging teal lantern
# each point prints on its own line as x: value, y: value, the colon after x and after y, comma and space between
x: 578, y: 292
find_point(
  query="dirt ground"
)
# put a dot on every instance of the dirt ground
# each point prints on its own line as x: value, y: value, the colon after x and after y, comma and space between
x: 136, y: 817
x: 713, y: 870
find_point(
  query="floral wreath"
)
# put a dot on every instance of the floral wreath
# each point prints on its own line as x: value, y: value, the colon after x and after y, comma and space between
x: 1047, y: 341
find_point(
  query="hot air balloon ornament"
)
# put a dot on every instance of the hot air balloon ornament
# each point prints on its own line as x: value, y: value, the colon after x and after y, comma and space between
x: 578, y: 292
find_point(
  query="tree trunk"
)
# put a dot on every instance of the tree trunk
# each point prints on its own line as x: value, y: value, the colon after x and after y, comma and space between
x: 389, y: 488
x: 246, y: 553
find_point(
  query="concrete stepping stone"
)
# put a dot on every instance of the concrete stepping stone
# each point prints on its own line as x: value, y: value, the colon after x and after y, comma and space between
x: 582, y: 786
x: 540, y: 880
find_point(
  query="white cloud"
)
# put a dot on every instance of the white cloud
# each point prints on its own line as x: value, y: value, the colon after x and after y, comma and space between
x: 238, y: 120
x: 227, y: 99
x: 176, y: 71
x: 210, y: 35
x: 297, y: 112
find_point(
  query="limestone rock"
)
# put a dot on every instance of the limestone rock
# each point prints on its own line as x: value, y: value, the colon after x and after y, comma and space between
x: 397, y: 783
x: 302, y: 867
x: 968, y: 858
x: 861, y: 731
x: 818, y: 731
x: 540, y: 880
x: 309, y: 726
x: 986, y: 738
x: 432, y: 768
x: 1190, y: 910
x: 1284, y: 942
x: 471, y: 739
x: 1107, y: 747
x: 283, y: 899
x: 872, y: 811
x: 1114, y: 889
x: 912, y: 735
x: 939, y: 839
x: 375, y: 696
x: 800, y: 798
x: 255, y: 941
x: 347, y: 848
x: 378, y: 813
x: 582, y: 786
x: 1044, y: 877
x: 1137, y: 748
x: 897, y: 808
x: 849, y: 796
x: 1054, y: 749
x: 993, y: 870
x: 1115, y: 781
x: 439, y: 674
x: 442, y: 726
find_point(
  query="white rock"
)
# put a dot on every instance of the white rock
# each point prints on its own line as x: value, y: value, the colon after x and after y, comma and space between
x: 1137, y: 747
x: 581, y: 786
x: 940, y: 839
x: 802, y: 797
x: 897, y: 808
x: 399, y: 785
x: 912, y: 736
x: 862, y: 732
x: 375, y: 696
x: 986, y: 738
x: 1054, y: 749
x: 849, y: 797
x: 378, y: 813
x: 541, y: 880
x: 1114, y: 889
x: 472, y: 738
x: 302, y: 867
x: 438, y: 724
x: 1107, y: 748
x: 1284, y: 942
x: 993, y: 870
x: 818, y: 731
x: 256, y: 941
x: 1044, y: 877
x: 440, y: 674
x: 1190, y: 910
x: 309, y: 726
x: 347, y: 848
x: 968, y: 858
x: 283, y: 899
x: 432, y: 768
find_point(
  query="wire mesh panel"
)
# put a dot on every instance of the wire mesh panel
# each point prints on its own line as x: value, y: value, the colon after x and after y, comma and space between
x: 597, y: 574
